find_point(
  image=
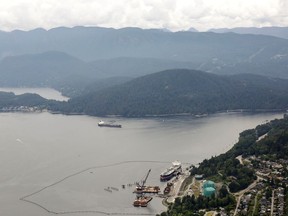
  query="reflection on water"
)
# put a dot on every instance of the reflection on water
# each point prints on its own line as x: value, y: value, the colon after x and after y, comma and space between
x: 41, y: 153
x: 47, y: 93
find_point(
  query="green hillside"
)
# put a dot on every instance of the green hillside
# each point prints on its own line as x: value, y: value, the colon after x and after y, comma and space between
x: 184, y: 92
x: 273, y: 146
x: 8, y: 100
x: 258, y: 148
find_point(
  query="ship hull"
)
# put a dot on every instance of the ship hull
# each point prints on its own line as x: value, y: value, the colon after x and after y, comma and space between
x: 142, y: 201
x: 103, y: 124
x: 147, y: 189
x: 171, y: 172
x: 109, y: 125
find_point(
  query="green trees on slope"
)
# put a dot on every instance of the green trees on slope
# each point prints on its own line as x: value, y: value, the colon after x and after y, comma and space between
x: 268, y: 140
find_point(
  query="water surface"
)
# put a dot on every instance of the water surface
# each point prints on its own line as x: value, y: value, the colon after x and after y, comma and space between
x: 62, y: 164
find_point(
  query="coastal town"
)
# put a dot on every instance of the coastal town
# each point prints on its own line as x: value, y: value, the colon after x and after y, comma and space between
x: 267, y: 195
x: 249, y: 179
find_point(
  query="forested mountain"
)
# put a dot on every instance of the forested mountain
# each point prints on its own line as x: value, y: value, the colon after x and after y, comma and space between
x: 135, y: 67
x: 281, y: 32
x: 94, y: 43
x: 135, y: 52
x: 50, y: 69
x: 45, y: 69
x: 69, y: 74
x: 184, y: 91
x: 170, y: 92
x: 10, y: 100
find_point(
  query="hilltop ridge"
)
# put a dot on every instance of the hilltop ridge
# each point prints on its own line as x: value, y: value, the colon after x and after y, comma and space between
x: 183, y: 91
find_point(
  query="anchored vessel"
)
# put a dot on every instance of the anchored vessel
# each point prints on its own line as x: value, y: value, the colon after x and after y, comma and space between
x: 172, y: 171
x: 146, y: 189
x: 142, y: 201
x: 103, y: 124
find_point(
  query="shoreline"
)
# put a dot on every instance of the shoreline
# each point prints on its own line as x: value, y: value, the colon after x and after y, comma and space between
x: 180, y: 187
x: 36, y: 109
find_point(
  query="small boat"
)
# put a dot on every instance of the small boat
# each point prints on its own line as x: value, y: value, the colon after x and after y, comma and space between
x: 108, y: 189
x: 103, y: 124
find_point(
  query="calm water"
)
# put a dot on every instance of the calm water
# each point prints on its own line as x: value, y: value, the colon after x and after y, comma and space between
x: 47, y: 93
x: 63, y: 163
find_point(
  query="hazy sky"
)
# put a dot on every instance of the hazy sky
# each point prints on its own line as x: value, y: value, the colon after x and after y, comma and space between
x: 171, y: 14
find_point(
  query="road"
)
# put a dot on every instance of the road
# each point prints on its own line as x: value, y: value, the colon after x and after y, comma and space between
x: 176, y: 187
x: 272, y: 202
x: 240, y: 194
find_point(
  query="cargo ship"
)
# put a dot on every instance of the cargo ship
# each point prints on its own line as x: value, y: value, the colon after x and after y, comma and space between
x: 103, y: 124
x: 172, y: 171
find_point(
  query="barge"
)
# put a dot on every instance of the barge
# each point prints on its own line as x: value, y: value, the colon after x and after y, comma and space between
x: 147, y: 189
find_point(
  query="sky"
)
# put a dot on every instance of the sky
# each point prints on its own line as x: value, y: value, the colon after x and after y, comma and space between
x: 175, y: 15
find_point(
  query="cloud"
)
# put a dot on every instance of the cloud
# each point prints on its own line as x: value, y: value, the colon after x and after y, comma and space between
x: 171, y: 14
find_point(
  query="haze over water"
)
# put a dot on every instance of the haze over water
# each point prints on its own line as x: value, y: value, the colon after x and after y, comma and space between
x: 77, y: 160
x: 47, y: 93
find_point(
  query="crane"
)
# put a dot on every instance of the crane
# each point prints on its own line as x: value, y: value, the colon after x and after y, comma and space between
x: 140, y: 187
x: 141, y: 199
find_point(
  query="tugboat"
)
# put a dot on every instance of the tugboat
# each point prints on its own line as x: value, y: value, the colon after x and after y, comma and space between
x: 103, y: 124
x: 142, y: 201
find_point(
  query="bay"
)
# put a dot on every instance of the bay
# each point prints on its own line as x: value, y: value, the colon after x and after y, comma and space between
x: 47, y: 93
x: 58, y: 164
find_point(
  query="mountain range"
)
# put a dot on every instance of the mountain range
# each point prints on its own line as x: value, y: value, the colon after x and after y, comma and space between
x: 281, y: 32
x: 69, y: 59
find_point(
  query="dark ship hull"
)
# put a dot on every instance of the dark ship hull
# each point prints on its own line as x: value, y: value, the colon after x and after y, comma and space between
x: 103, y: 124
